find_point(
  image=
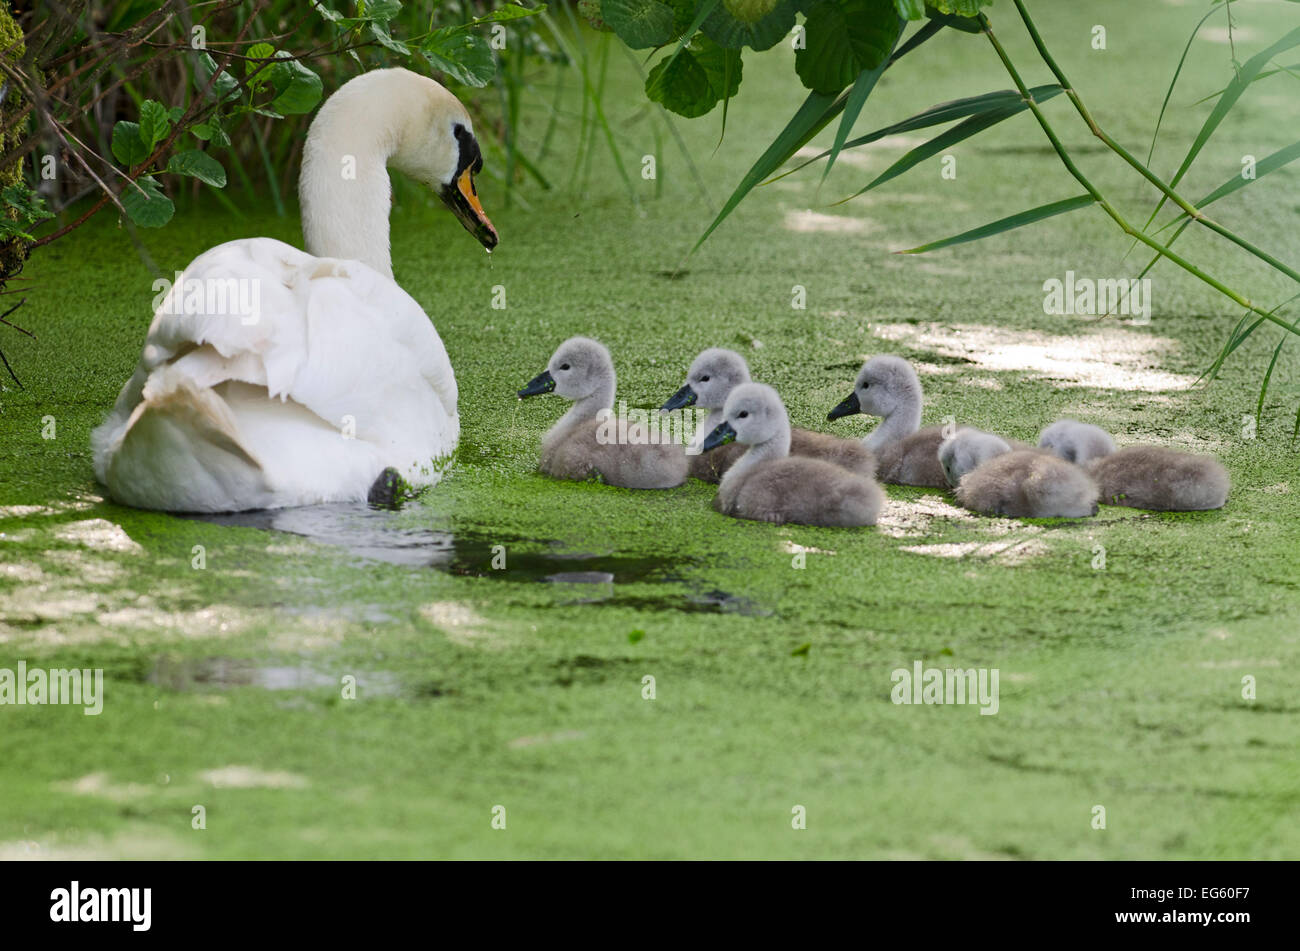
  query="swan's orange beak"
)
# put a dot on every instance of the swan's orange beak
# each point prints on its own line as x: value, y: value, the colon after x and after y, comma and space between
x: 462, y: 198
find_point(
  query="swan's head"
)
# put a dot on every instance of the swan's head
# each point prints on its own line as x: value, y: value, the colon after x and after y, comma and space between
x: 437, y: 147
x: 966, y: 450
x: 754, y: 414
x: 885, y: 385
x: 710, y: 380
x: 579, y: 368
x: 1076, y: 442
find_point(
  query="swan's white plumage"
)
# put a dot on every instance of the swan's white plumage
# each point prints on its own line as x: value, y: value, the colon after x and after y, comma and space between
x: 226, y: 412
x: 340, y: 374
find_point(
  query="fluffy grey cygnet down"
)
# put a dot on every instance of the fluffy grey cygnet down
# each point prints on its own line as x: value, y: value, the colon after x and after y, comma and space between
x: 1152, y: 477
x: 1140, y: 477
x: 769, y: 485
x: 583, y: 444
x: 887, y: 387
x: 1017, y: 483
x: 968, y: 449
x: 709, y: 381
x: 1076, y: 442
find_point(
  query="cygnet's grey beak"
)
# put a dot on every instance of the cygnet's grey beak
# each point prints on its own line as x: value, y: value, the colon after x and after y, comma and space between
x: 719, y: 437
x: 849, y: 406
x: 542, y: 383
x: 679, y: 400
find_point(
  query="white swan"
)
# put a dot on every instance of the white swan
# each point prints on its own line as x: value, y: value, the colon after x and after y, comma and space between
x: 272, y: 377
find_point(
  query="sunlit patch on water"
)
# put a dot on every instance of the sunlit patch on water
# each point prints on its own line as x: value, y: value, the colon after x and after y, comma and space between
x: 914, y: 518
x: 250, y: 777
x: 98, y: 534
x: 807, y: 221
x: 1004, y: 552
x: 1112, y: 358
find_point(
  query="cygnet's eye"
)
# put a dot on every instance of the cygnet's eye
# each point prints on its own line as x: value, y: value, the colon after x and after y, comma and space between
x: 564, y: 366
x: 704, y: 379
x: 743, y: 414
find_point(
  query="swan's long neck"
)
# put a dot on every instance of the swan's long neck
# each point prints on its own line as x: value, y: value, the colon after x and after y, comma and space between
x: 778, y: 447
x: 901, y: 423
x: 344, y: 188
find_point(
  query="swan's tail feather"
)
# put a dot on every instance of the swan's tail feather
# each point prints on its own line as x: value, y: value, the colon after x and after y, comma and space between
x: 180, y: 451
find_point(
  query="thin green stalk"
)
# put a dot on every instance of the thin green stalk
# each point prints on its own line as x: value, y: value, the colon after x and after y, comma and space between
x: 1191, y: 210
x: 1104, y: 203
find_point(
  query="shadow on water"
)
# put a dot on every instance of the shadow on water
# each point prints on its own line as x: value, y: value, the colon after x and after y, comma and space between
x: 381, y: 534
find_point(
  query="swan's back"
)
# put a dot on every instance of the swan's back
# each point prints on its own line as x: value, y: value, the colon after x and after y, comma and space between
x: 335, y: 376
x: 577, y: 452
x: 1028, y: 484
x: 801, y: 490
x: 1152, y: 477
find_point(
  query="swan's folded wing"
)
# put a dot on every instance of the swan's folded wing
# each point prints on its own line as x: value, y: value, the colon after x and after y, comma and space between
x: 335, y: 336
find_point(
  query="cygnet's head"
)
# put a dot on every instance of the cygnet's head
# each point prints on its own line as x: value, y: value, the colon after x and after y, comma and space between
x: 1076, y: 442
x: 967, y: 450
x: 579, y: 368
x: 710, y: 380
x: 754, y: 414
x: 885, y: 385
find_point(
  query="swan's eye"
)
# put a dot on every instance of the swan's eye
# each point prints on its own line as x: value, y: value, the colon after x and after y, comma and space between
x: 564, y: 366
x: 742, y: 415
x: 704, y: 379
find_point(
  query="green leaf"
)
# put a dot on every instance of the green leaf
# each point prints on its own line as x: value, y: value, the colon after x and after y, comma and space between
x: 939, y: 114
x: 385, y: 39
x: 200, y: 165
x: 127, y: 146
x: 843, y: 39
x: 28, y: 203
x: 146, y: 205
x: 258, y: 51
x: 297, y: 88
x: 1007, y: 224
x: 465, y: 58
x: 225, y: 87
x: 910, y: 9
x: 511, y: 11
x: 689, y: 24
x: 1270, y: 163
x: 758, y: 24
x: 965, y: 24
x: 154, y: 123
x: 1268, y: 375
x: 1245, y: 76
x: 862, y: 88
x: 945, y: 140
x: 813, y: 116
x: 383, y: 10
x: 697, y: 80
x: 640, y: 24
x: 376, y: 11
x: 962, y: 8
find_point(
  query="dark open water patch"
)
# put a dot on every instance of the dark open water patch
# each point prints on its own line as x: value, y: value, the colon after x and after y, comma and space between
x: 590, y: 577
